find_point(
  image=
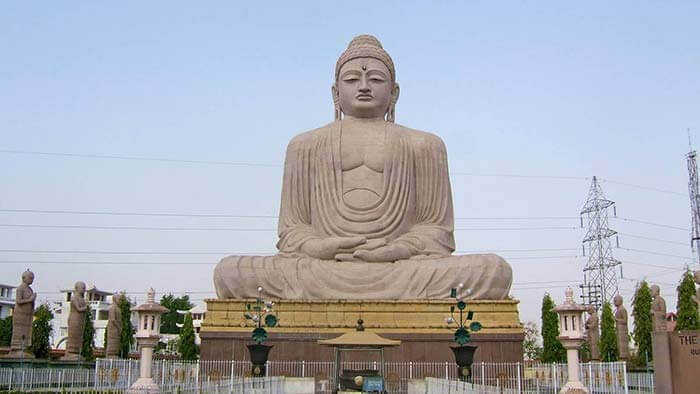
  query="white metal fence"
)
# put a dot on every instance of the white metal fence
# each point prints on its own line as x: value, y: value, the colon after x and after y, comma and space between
x: 232, y: 376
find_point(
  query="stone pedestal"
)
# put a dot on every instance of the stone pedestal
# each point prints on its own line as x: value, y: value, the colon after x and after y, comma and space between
x: 419, y: 324
x: 662, y: 363
x: 676, y: 361
x: 573, y: 385
x: 145, y: 383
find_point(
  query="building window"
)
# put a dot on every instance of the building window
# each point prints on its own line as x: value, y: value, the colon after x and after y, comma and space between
x: 68, y: 294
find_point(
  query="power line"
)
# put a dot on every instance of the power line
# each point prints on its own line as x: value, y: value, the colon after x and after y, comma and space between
x: 89, y: 227
x: 213, y: 262
x: 139, y: 158
x: 657, y: 253
x: 277, y: 165
x: 222, y: 215
x: 654, y: 239
x: 651, y: 223
x: 158, y: 214
x: 86, y: 227
x: 650, y: 188
x: 116, y: 252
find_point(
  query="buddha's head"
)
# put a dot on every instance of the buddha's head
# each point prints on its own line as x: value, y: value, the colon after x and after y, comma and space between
x: 80, y: 288
x: 617, y: 300
x: 655, y: 290
x: 365, y: 81
x: 116, y: 298
x: 28, y: 277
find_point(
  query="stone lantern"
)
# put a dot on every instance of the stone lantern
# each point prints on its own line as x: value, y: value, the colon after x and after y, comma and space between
x: 571, y: 336
x: 147, y: 336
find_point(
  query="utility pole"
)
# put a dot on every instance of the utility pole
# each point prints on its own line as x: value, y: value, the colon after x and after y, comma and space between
x: 694, y: 201
x: 599, y: 274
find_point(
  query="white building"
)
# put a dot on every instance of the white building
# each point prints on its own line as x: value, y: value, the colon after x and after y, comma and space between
x: 99, y: 302
x: 199, y: 312
x: 7, y: 300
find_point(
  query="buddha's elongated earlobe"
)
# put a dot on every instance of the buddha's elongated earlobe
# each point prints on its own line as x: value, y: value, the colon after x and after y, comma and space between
x: 336, y: 103
x: 391, y: 112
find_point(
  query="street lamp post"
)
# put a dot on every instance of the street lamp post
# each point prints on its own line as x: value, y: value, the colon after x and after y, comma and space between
x: 571, y: 336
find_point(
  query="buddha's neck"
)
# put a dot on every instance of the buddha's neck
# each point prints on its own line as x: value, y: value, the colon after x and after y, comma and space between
x: 349, y: 118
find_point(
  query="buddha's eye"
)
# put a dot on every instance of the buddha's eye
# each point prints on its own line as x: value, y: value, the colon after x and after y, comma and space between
x: 351, y: 79
x: 376, y: 79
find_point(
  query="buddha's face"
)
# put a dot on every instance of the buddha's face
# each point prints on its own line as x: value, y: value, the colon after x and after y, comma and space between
x: 28, y: 277
x: 80, y: 288
x: 617, y: 300
x: 365, y: 89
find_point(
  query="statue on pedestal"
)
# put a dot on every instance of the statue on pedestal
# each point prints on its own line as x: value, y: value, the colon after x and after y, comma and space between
x: 366, y: 209
x: 114, y: 327
x: 593, y: 333
x: 22, y: 318
x: 658, y: 308
x: 76, y: 323
x: 623, y: 336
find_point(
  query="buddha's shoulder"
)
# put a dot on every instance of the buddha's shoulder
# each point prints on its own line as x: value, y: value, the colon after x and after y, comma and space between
x: 420, y: 138
x: 311, y: 135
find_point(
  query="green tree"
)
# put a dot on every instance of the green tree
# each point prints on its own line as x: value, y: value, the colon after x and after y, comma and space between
x: 531, y: 348
x: 686, y: 309
x: 608, y: 338
x: 41, y: 332
x: 641, y: 311
x: 126, y: 339
x: 6, y: 331
x: 170, y: 320
x: 88, y: 349
x: 552, y: 349
x: 186, y: 346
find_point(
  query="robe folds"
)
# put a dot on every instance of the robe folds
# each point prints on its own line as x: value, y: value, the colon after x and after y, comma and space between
x: 415, y: 210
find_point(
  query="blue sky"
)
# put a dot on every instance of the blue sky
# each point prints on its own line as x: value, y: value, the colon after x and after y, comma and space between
x: 515, y: 88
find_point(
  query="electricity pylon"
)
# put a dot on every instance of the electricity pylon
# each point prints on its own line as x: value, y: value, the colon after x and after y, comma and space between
x: 599, y: 274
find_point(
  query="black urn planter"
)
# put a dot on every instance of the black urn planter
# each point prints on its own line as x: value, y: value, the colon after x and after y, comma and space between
x: 464, y: 356
x: 258, y: 357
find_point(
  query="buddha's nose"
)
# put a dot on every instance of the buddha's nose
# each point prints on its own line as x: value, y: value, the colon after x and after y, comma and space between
x: 364, y: 86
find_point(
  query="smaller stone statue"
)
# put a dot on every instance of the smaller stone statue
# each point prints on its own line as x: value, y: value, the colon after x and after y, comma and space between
x: 623, y: 336
x: 593, y: 333
x: 114, y: 327
x: 22, y: 318
x: 76, y: 323
x: 696, y: 298
x: 658, y: 308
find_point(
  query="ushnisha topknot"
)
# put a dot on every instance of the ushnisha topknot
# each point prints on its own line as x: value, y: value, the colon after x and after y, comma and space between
x: 365, y: 45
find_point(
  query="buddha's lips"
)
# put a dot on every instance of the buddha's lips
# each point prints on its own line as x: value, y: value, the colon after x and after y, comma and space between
x: 364, y: 97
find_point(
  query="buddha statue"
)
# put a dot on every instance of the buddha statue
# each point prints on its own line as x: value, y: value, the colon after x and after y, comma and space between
x: 366, y: 207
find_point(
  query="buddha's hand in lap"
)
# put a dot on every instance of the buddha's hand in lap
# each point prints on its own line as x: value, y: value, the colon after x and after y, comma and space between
x: 386, y: 253
x: 328, y: 248
x: 349, y: 254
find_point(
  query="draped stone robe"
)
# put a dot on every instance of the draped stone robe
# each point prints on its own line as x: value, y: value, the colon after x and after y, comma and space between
x: 415, y: 209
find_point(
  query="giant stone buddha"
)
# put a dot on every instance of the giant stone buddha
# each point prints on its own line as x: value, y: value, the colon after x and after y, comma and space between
x: 366, y: 209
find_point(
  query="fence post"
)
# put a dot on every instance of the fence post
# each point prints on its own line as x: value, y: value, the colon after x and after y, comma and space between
x: 233, y: 362
x: 447, y: 375
x: 11, y: 373
x: 483, y: 373
x: 554, y: 376
x: 519, y: 387
x: 410, y: 369
x: 303, y: 369
x: 624, y: 373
